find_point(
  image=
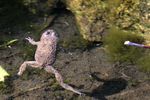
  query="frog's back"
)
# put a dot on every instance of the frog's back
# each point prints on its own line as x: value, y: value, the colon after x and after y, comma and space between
x: 46, y: 51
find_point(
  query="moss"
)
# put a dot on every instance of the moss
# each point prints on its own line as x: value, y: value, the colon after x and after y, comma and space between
x: 144, y: 62
x: 125, y: 14
x: 90, y: 23
x: 116, y: 48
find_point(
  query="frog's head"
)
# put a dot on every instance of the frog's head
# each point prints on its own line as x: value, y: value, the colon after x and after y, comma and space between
x: 48, y: 34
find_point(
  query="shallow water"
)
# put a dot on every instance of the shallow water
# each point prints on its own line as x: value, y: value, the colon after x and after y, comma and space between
x: 88, y: 70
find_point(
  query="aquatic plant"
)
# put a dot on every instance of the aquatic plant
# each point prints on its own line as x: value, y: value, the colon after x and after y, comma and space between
x: 114, y: 42
x: 115, y: 47
x: 144, y: 63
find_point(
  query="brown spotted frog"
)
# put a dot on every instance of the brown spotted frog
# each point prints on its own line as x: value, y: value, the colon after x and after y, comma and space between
x: 45, y: 57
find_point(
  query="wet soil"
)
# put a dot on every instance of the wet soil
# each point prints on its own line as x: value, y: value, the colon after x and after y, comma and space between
x: 88, y: 70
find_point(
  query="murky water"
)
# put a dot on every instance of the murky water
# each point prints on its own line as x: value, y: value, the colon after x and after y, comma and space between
x: 88, y: 70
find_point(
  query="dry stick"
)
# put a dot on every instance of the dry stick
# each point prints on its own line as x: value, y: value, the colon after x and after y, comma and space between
x: 30, y: 89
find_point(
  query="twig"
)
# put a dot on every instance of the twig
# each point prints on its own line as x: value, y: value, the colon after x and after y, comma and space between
x: 30, y: 89
x: 125, y: 76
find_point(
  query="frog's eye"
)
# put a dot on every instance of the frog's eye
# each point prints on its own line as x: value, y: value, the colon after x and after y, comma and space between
x: 48, y: 33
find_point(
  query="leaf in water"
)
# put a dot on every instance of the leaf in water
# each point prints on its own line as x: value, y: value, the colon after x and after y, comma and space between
x: 9, y: 43
x: 3, y: 73
x: 12, y: 41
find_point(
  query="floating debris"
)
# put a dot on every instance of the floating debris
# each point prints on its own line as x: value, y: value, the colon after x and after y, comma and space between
x: 3, y: 73
x: 136, y: 44
x: 9, y: 43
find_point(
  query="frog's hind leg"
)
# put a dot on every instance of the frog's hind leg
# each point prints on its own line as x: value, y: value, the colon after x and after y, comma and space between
x: 25, y: 64
x: 60, y: 79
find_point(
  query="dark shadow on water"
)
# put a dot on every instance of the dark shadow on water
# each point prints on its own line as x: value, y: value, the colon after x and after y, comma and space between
x: 109, y: 87
x: 13, y: 14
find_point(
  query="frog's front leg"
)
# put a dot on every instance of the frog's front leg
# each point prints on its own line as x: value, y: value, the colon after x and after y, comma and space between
x: 31, y: 41
x: 28, y: 63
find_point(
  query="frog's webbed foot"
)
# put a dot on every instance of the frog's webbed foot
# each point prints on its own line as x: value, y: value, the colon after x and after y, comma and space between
x: 59, y: 78
x: 25, y: 64
x: 31, y: 41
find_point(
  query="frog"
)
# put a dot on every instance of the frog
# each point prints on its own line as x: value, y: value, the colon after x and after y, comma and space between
x: 45, y: 56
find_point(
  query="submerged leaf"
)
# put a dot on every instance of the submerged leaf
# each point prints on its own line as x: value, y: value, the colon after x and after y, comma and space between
x: 9, y: 43
x: 3, y: 73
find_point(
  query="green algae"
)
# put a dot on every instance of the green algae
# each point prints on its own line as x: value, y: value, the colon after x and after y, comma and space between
x: 118, y: 51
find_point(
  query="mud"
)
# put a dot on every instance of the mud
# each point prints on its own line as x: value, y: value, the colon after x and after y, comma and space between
x: 88, y: 70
